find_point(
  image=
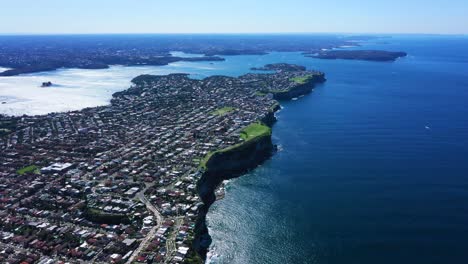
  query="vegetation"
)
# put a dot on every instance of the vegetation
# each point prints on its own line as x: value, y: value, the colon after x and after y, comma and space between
x: 205, y: 160
x: 254, y: 130
x: 248, y: 134
x: 101, y: 217
x: 370, y: 55
x: 145, y: 78
x: 275, y: 106
x: 301, y: 80
x: 4, y: 132
x: 7, y: 125
x: 223, y: 111
x: 193, y: 258
x: 28, y: 169
x: 278, y: 91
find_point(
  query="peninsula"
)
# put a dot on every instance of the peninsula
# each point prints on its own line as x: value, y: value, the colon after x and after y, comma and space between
x: 368, y: 55
x: 131, y: 182
x: 30, y: 54
x: 102, y: 62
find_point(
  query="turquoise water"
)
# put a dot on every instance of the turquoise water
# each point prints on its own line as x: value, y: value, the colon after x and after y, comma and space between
x: 372, y: 169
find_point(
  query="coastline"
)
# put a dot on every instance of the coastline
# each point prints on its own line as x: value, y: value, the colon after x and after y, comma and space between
x: 210, y: 182
x: 230, y: 114
x: 99, y: 65
x: 350, y: 178
x: 298, y: 198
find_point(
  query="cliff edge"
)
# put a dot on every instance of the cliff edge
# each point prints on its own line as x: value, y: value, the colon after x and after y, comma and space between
x: 227, y: 164
x: 256, y: 146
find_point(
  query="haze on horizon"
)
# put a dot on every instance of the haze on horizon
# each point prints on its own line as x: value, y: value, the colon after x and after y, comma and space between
x: 240, y: 16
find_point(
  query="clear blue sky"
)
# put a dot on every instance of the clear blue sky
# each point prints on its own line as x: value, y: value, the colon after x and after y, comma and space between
x: 233, y: 16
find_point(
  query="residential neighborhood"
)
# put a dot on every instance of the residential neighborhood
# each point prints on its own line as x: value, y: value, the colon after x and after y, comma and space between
x: 118, y: 183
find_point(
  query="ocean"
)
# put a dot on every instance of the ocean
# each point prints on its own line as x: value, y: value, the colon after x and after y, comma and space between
x: 372, y: 166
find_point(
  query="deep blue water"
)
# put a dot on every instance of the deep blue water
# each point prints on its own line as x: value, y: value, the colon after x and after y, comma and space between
x: 373, y: 166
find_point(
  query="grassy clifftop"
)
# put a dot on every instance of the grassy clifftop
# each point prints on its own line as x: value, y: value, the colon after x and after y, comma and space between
x: 302, y: 79
x: 249, y: 134
x: 254, y: 130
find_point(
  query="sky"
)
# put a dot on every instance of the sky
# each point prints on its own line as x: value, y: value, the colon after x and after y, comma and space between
x: 235, y: 16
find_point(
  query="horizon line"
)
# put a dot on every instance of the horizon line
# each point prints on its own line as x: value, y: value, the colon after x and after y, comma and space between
x: 225, y: 33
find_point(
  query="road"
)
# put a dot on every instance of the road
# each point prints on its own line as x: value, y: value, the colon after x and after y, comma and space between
x: 152, y: 232
x: 171, y: 241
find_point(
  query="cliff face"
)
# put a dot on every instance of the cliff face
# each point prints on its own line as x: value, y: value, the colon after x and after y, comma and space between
x: 299, y: 90
x: 269, y: 119
x: 222, y: 166
x: 235, y: 161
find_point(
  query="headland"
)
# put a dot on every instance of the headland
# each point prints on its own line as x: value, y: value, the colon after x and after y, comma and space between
x: 30, y: 54
x: 136, y: 178
x: 368, y: 55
